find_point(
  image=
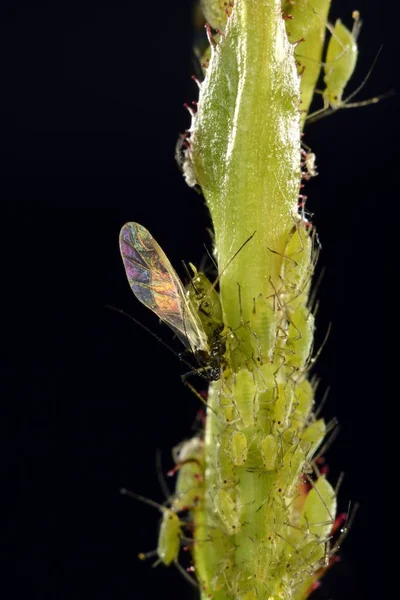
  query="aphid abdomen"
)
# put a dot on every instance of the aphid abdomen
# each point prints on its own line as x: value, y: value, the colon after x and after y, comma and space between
x: 297, y: 266
x: 263, y: 326
x: 319, y: 509
x: 341, y: 59
x: 228, y: 511
x: 303, y: 404
x: 246, y: 397
x: 283, y: 406
x: 169, y: 538
x: 269, y: 452
x: 300, y: 337
x: 238, y: 448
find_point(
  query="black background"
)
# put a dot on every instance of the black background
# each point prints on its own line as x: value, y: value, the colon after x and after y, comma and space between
x: 94, y: 96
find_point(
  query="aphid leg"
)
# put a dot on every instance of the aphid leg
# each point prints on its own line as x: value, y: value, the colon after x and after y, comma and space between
x: 186, y: 575
x: 196, y: 393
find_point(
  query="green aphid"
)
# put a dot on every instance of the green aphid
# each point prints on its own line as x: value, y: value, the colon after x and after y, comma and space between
x: 298, y: 263
x: 228, y: 408
x: 244, y: 391
x: 170, y: 534
x: 300, y: 337
x: 340, y: 62
x: 319, y: 509
x: 303, y: 404
x: 226, y: 473
x: 238, y: 448
x: 169, y: 538
x: 269, y: 452
x: 227, y: 510
x: 263, y: 562
x: 263, y: 326
x: 283, y: 406
x: 293, y: 466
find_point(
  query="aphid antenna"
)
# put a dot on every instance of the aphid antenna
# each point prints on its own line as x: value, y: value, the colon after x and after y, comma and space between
x: 313, y: 360
x: 327, y: 444
x: 311, y: 482
x: 198, y: 396
x: 351, y: 512
x: 316, y: 286
x: 331, y: 425
x: 339, y: 483
x: 232, y: 258
x: 210, y: 256
x: 160, y: 476
x: 357, y: 24
x: 322, y: 402
x: 151, y: 554
x: 145, y: 500
x: 154, y: 335
x: 362, y: 84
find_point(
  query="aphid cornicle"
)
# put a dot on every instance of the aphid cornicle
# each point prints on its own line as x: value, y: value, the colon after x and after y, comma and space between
x: 155, y: 283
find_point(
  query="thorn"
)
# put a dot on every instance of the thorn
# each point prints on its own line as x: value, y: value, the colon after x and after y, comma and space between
x: 196, y: 80
x: 189, y: 108
x: 298, y: 42
x: 210, y: 38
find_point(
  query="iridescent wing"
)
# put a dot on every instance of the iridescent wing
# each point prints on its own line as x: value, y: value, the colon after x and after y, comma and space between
x: 155, y: 283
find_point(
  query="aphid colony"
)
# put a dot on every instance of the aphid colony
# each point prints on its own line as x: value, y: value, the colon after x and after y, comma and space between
x: 266, y: 438
x: 263, y: 427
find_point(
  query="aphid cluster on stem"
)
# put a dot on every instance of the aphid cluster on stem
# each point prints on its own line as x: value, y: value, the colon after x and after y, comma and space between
x: 251, y: 494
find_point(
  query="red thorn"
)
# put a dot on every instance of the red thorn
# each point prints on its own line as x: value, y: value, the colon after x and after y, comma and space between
x: 285, y: 17
x: 298, y: 42
x: 189, y: 108
x: 196, y: 80
x: 210, y: 38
